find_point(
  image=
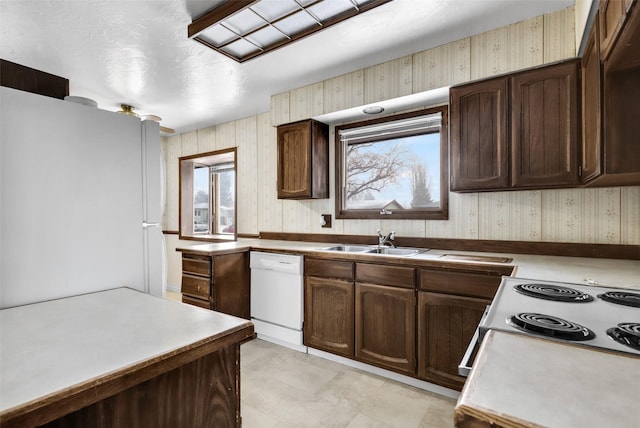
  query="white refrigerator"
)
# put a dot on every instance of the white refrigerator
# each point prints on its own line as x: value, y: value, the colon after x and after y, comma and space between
x: 82, y: 194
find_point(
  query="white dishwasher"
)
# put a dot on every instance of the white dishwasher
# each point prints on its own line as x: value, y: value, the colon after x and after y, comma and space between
x: 276, y: 298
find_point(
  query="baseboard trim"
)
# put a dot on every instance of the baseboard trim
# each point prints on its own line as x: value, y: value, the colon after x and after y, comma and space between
x: 174, y: 288
x: 417, y: 383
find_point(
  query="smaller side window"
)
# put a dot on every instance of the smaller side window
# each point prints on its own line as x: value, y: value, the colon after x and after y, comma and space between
x: 208, y: 196
x: 394, y: 167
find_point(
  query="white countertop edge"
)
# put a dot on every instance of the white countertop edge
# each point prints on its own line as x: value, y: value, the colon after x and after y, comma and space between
x: 577, y: 270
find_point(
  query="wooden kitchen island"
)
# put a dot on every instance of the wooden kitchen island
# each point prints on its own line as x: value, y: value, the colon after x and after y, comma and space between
x: 119, y: 358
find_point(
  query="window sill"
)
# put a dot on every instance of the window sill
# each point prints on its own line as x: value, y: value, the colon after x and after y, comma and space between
x: 209, y: 238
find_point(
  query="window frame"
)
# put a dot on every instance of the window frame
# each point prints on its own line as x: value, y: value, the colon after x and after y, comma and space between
x: 442, y: 213
x: 186, y: 194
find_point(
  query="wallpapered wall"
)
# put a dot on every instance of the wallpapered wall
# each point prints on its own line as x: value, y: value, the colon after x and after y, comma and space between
x: 603, y: 215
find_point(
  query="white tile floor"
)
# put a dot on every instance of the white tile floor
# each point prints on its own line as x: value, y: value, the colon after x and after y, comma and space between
x: 283, y: 388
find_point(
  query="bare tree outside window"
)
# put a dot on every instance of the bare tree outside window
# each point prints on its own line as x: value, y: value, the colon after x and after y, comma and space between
x: 371, y: 170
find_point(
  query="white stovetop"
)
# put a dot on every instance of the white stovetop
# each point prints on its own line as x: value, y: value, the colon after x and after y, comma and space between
x: 50, y: 346
x: 597, y: 315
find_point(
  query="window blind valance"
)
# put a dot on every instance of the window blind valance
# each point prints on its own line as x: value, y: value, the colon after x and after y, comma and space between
x: 390, y: 130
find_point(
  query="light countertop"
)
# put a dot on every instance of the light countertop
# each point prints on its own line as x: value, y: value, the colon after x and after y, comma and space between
x: 519, y: 380
x: 577, y: 270
x: 49, y: 347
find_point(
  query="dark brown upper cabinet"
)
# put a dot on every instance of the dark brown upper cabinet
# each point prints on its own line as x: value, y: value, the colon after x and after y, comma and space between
x: 517, y: 131
x: 480, y: 135
x: 611, y: 17
x: 610, y: 153
x: 303, y: 160
x: 544, y: 126
x: 591, y: 107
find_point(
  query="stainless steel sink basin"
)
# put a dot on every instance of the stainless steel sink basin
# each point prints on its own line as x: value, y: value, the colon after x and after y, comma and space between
x: 348, y: 248
x: 395, y: 251
x: 390, y: 251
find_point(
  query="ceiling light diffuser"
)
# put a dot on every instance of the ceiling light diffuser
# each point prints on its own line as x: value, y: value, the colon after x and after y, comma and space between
x: 245, y: 29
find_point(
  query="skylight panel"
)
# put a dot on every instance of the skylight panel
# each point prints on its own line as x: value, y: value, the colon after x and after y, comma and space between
x: 245, y: 29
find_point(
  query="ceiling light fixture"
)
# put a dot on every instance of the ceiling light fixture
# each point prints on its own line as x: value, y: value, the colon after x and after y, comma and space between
x: 245, y: 29
x: 373, y: 110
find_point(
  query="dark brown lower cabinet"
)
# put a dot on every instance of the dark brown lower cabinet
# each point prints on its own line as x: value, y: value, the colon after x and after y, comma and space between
x: 446, y: 324
x: 328, y: 315
x: 385, y: 327
x: 413, y: 320
x: 220, y: 282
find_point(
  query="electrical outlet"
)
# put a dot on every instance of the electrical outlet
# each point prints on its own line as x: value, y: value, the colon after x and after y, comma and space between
x: 325, y: 220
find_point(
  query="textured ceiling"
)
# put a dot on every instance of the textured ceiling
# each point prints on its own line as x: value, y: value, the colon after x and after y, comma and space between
x: 137, y: 52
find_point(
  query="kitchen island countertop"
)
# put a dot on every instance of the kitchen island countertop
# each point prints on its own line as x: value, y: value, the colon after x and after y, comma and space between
x: 523, y: 381
x: 100, y: 342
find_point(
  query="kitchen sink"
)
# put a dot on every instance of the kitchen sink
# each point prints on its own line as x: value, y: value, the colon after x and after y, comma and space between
x: 389, y: 251
x: 395, y: 251
x: 348, y: 248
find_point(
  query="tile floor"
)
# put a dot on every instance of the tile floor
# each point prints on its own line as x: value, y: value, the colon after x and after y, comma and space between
x: 282, y: 388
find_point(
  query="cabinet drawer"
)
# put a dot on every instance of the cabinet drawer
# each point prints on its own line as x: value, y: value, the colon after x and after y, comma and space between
x: 387, y: 275
x: 196, y: 302
x: 459, y: 283
x: 196, y: 265
x: 196, y: 286
x: 329, y: 268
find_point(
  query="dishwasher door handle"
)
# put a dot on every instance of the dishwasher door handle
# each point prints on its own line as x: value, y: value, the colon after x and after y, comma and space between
x: 284, y: 263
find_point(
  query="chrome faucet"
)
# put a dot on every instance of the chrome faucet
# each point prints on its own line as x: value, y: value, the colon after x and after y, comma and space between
x: 386, y: 240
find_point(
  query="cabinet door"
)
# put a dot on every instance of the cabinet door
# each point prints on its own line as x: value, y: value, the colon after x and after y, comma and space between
x: 303, y: 168
x: 232, y: 284
x: 479, y: 136
x: 294, y: 160
x: 328, y: 315
x: 445, y: 327
x: 591, y: 111
x: 385, y: 327
x: 612, y: 13
x: 544, y: 126
x: 621, y: 128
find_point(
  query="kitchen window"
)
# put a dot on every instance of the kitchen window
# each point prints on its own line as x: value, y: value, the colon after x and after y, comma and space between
x: 394, y: 167
x: 208, y: 196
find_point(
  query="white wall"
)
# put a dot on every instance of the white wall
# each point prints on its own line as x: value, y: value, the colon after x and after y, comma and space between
x: 604, y: 215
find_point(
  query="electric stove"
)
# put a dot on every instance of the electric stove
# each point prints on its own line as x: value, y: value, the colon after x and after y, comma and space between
x: 594, y: 316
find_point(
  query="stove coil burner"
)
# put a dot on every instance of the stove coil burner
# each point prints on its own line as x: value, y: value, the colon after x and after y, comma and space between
x: 621, y: 298
x: 547, y: 325
x: 556, y: 293
x: 626, y: 333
